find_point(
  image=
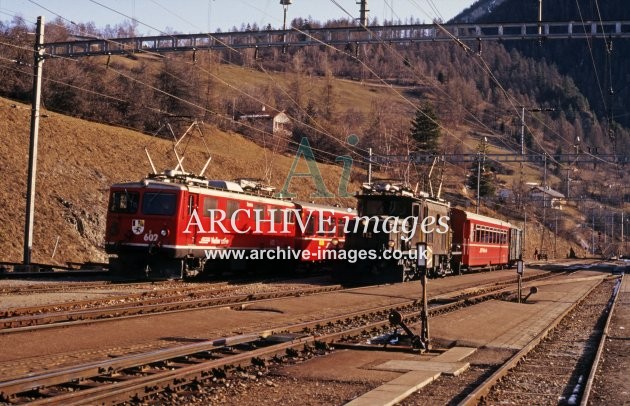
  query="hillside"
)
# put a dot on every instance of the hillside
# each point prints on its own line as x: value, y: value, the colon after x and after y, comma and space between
x: 79, y: 160
x: 373, y: 92
x: 599, y: 68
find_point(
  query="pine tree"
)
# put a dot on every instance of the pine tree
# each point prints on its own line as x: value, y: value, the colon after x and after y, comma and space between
x: 425, y: 129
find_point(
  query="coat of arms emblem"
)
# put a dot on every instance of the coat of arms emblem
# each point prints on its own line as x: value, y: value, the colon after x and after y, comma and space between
x: 137, y: 226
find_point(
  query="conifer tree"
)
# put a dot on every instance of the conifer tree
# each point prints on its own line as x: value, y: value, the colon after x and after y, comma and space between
x: 425, y: 129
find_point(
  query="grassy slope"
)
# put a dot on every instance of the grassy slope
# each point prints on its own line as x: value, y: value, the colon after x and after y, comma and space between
x: 78, y: 160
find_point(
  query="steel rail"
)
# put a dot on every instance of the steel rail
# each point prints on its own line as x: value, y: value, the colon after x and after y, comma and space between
x: 113, y: 313
x: 108, y: 393
x: 600, y: 348
x: 482, y: 390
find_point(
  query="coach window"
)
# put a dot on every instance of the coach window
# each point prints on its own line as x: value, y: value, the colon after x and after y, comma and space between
x: 341, y: 224
x: 323, y: 226
x: 124, y: 202
x: 290, y: 215
x: 310, y: 225
x: 158, y: 203
x: 277, y: 215
x: 259, y: 212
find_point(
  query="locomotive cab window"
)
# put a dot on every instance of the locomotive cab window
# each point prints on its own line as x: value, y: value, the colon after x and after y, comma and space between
x: 124, y: 202
x: 383, y: 206
x: 158, y: 203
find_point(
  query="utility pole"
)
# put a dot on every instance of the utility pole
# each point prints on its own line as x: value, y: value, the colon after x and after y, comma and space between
x: 38, y: 56
x: 555, y: 238
x: 370, y: 166
x: 363, y: 17
x: 285, y: 6
x: 545, y: 177
x: 478, y: 182
x: 568, y: 182
x: 593, y: 232
x: 524, y: 232
x: 483, y: 151
x: 522, y: 130
x: 539, y: 22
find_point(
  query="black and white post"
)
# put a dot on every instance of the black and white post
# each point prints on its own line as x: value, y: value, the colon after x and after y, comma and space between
x: 422, y: 260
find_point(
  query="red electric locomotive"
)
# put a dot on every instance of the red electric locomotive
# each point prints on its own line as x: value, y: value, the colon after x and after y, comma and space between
x: 481, y: 241
x: 323, y: 231
x: 177, y: 224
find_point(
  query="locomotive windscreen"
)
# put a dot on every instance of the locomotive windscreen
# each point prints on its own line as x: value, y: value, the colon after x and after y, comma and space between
x: 384, y: 206
x: 124, y: 202
x: 162, y: 204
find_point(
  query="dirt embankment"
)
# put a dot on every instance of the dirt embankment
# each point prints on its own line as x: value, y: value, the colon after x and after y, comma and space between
x: 78, y: 161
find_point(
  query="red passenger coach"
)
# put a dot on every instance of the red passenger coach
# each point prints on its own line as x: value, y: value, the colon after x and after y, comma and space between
x: 480, y: 241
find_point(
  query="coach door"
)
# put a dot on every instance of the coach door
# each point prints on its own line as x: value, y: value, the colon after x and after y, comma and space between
x: 193, y: 203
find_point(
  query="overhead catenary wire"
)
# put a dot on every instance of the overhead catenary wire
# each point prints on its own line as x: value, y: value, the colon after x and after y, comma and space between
x: 343, y: 145
x: 510, y: 98
x: 376, y: 75
x: 489, y: 71
x: 320, y: 151
x: 448, y: 132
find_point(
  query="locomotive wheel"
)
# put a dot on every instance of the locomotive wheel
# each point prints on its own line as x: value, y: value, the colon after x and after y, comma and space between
x: 166, y: 268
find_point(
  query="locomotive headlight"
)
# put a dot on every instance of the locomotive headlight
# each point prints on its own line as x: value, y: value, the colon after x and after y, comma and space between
x: 391, y: 243
x: 334, y: 241
x: 165, y: 232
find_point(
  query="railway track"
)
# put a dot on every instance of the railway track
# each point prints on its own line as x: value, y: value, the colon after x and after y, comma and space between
x: 139, y: 377
x: 555, y: 366
x: 34, y: 318
x: 75, y: 286
x: 149, y: 303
